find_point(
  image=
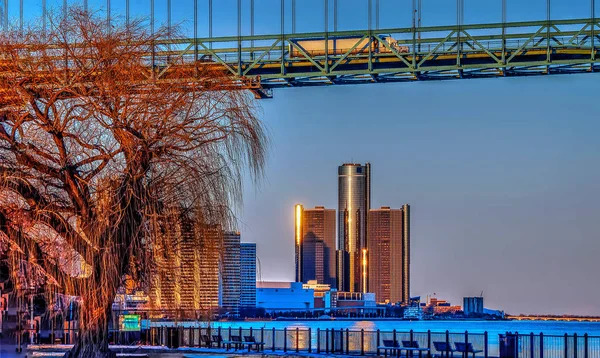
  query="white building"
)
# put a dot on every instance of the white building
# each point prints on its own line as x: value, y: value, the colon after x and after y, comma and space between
x: 284, y: 296
x: 413, y: 313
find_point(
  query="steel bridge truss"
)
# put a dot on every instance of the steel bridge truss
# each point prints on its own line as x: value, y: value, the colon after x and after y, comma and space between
x: 423, y: 53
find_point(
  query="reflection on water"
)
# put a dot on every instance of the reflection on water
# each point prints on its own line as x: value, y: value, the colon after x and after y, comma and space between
x: 366, y: 325
x: 358, y: 335
x: 492, y: 327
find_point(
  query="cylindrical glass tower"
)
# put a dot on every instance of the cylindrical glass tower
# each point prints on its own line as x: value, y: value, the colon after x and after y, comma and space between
x: 354, y: 202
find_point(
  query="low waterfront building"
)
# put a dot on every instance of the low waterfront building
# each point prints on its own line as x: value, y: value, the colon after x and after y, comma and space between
x: 284, y: 296
x: 438, y: 307
x: 473, y: 306
x: 413, y: 313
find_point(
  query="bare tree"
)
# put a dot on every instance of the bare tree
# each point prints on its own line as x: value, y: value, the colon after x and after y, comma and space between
x: 93, y: 148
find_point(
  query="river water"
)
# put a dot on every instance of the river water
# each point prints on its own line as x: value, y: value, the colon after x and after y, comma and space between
x: 458, y: 326
x: 493, y: 328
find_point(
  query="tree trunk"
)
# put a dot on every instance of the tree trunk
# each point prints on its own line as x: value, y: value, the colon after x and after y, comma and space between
x: 85, y: 349
x: 92, y: 340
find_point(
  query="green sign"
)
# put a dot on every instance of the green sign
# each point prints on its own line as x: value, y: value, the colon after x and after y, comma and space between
x: 129, y: 323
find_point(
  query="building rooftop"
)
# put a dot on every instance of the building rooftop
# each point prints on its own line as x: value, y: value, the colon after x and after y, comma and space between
x: 273, y: 284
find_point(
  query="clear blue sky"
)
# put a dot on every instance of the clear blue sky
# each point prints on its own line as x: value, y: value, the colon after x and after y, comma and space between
x: 503, y: 175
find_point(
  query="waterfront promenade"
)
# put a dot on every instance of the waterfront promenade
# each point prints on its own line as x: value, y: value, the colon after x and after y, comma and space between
x: 488, y: 339
x: 358, y: 338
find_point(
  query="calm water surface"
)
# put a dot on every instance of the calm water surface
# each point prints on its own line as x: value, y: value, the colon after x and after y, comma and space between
x: 492, y: 327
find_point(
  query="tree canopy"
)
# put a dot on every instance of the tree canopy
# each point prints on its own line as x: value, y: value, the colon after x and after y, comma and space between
x: 93, y: 148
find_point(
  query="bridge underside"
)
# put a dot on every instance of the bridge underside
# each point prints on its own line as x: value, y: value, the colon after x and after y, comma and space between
x: 264, y: 62
x: 428, y: 53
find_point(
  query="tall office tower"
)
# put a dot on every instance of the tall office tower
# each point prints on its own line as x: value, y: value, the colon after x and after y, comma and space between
x: 187, y: 275
x: 3, y: 14
x: 406, y: 253
x: 389, y: 254
x: 230, y: 273
x: 354, y: 202
x: 209, y: 256
x: 248, y: 275
x: 315, y: 245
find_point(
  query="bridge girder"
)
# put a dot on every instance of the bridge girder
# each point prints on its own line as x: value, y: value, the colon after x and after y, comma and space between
x: 262, y: 63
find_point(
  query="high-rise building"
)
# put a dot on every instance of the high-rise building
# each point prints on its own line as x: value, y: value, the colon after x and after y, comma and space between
x: 354, y: 202
x: 315, y: 245
x: 187, y: 260
x: 3, y: 15
x: 389, y: 254
x: 248, y: 275
x: 231, y: 273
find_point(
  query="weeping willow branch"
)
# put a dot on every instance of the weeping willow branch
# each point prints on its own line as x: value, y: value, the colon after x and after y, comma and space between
x: 96, y: 156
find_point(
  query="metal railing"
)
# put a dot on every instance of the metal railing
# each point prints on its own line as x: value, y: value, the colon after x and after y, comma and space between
x: 363, y: 342
x: 554, y: 346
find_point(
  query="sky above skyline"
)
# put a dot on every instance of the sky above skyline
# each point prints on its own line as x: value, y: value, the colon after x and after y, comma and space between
x: 503, y: 175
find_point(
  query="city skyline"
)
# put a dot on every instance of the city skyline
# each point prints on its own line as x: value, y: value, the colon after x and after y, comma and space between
x: 485, y: 187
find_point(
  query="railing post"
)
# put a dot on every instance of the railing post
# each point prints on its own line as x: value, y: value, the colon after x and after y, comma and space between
x: 274, y: 336
x: 566, y: 345
x: 347, y: 341
x: 262, y: 337
x: 531, y: 347
x: 250, y: 333
x: 411, y: 335
x: 541, y: 345
x: 585, y: 345
x: 297, y: 339
x: 429, y: 343
x: 447, y: 343
x: 285, y: 339
x: 362, y: 342
x: 327, y: 340
x: 378, y: 341
x: 309, y: 340
x: 574, y: 345
x: 465, y: 354
x: 485, y: 344
x: 318, y: 340
x: 240, y: 333
x: 517, y: 345
x: 219, y: 333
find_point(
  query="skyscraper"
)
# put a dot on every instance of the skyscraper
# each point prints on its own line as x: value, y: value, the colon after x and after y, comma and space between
x: 3, y: 14
x: 206, y: 267
x: 354, y: 202
x: 187, y: 258
x: 231, y: 273
x: 389, y: 254
x: 315, y: 245
x: 248, y: 275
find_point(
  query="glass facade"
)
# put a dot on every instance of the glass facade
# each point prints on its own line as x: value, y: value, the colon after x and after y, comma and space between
x: 231, y: 274
x: 3, y: 14
x: 187, y: 274
x: 389, y: 254
x: 354, y: 202
x: 248, y: 275
x: 315, y: 245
